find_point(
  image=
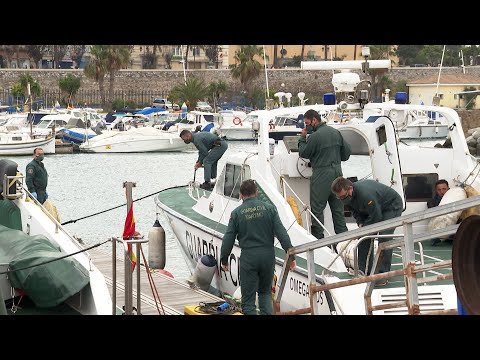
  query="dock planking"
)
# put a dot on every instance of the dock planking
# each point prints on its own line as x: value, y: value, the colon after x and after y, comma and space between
x: 174, y: 294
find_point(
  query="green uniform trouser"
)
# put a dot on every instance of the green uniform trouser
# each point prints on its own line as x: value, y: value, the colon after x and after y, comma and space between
x: 364, y: 247
x: 211, y: 160
x: 257, y: 266
x: 41, y: 196
x: 320, y: 193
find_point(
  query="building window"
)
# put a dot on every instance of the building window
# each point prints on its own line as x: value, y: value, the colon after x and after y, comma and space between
x: 177, y: 51
x: 196, y: 51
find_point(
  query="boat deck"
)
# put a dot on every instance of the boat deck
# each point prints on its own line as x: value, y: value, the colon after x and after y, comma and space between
x: 174, y: 294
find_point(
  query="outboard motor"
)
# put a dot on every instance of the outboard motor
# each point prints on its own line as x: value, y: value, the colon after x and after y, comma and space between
x: 8, y: 168
x: 156, y: 246
x: 204, y: 271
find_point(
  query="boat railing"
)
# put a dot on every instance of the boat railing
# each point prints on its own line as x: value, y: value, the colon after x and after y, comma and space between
x: 310, y: 214
x: 405, y: 242
x: 16, y: 182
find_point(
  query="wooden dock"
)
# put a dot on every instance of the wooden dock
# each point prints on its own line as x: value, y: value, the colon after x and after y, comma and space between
x: 174, y: 294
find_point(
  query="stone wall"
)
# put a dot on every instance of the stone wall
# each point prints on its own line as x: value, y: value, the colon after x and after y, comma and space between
x: 470, y: 119
x: 312, y: 82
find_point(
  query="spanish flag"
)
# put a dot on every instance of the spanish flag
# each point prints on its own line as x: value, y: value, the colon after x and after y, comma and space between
x: 128, y: 231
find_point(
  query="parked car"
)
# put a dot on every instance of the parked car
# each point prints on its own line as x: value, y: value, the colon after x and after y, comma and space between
x: 164, y: 103
x: 203, y: 106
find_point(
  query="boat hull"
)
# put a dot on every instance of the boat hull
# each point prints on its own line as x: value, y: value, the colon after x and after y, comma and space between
x: 131, y: 146
x: 197, y: 240
x: 27, y: 147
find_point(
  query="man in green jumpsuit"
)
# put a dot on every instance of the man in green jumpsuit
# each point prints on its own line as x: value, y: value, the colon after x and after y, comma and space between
x: 254, y: 224
x: 371, y: 202
x: 37, y: 176
x: 326, y: 149
x: 210, y: 150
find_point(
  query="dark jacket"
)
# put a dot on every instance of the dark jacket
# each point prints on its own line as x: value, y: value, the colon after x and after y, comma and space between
x: 255, y: 224
x: 36, y: 177
x: 324, y: 147
x: 204, y: 142
x: 435, y: 201
x: 370, y: 199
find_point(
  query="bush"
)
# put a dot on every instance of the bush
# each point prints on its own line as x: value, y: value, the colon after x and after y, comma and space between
x: 119, y: 103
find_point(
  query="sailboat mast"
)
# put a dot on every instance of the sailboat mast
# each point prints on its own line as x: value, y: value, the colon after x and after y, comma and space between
x: 267, y: 93
x: 439, y: 72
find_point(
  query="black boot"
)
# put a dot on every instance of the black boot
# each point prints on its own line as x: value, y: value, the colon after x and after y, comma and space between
x: 206, y: 186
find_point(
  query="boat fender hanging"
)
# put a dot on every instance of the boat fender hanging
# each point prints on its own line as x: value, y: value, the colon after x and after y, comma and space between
x: 204, y: 271
x: 237, y: 121
x: 474, y: 210
x: 296, y: 211
x: 442, y: 221
x: 156, y: 246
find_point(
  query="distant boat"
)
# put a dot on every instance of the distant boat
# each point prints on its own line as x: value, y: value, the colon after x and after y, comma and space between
x: 22, y: 143
x: 143, y: 139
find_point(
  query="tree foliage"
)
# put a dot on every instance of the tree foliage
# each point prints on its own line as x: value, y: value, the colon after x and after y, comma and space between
x: 190, y: 92
x: 69, y: 85
x: 247, y: 67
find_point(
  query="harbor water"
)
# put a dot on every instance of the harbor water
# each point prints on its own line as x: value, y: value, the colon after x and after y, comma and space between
x: 83, y: 184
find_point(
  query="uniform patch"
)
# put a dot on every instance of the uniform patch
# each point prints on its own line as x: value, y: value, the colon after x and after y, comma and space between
x: 30, y: 170
x: 370, y: 202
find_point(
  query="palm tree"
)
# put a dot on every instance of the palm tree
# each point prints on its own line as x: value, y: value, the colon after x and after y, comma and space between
x: 216, y: 88
x: 35, y: 89
x: 379, y: 52
x: 118, y: 57
x: 246, y: 67
x: 302, y: 53
x: 192, y: 91
x: 97, y: 68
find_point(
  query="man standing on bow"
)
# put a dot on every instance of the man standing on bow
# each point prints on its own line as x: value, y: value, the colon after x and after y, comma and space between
x: 210, y: 150
x: 326, y: 149
x: 37, y: 176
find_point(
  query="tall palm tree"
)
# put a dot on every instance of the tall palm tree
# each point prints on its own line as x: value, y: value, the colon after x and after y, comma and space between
x: 247, y: 67
x: 379, y: 52
x: 96, y: 68
x: 118, y: 57
x: 192, y: 91
x: 35, y: 89
x: 302, y: 53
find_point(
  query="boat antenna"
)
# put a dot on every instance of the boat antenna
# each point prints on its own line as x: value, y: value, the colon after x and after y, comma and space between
x: 436, y: 98
x: 30, y: 108
x: 267, y: 94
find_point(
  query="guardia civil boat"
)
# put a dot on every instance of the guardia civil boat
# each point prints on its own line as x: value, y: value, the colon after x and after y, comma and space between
x: 34, y: 247
x: 199, y: 218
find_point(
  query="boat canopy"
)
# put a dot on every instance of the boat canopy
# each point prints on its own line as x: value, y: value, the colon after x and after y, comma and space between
x: 46, y: 285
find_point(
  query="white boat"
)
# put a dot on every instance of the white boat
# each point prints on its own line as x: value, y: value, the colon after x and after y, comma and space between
x: 143, y: 139
x: 30, y: 235
x: 16, y: 142
x: 199, y: 218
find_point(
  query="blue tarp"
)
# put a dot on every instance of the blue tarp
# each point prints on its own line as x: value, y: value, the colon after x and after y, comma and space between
x: 148, y: 111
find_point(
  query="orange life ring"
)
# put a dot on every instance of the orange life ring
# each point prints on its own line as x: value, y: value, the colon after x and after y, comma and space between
x: 237, y: 120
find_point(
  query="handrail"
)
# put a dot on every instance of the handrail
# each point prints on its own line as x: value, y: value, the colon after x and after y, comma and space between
x: 305, y: 206
x: 407, y: 243
x: 19, y: 181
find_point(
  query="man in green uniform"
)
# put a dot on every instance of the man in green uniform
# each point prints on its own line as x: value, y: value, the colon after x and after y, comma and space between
x: 326, y: 149
x: 210, y: 150
x: 371, y: 202
x: 254, y: 224
x: 37, y: 176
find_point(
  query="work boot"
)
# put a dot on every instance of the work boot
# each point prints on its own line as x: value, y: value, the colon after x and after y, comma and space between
x: 206, y: 186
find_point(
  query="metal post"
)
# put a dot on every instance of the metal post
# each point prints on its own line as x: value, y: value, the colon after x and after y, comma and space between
x: 139, y: 246
x: 114, y: 276
x: 128, y: 283
x: 411, y: 285
x: 311, y: 278
x: 128, y: 268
